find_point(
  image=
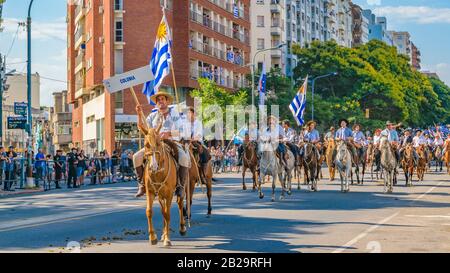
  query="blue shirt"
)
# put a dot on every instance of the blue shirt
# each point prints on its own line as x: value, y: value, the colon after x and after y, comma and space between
x: 391, y: 134
x: 343, y: 133
x: 40, y: 160
x: 358, y: 137
x: 311, y: 136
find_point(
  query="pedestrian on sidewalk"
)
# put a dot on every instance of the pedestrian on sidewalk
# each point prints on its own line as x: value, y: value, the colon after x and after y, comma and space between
x: 2, y: 163
x: 72, y: 162
x: 10, y: 169
x: 57, y: 159
x: 39, y: 166
x: 81, y: 167
x: 50, y: 170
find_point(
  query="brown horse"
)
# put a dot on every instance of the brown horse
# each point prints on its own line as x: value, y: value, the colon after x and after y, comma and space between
x: 250, y: 161
x: 321, y: 148
x: 370, y: 158
x: 407, y: 162
x: 195, y: 175
x: 422, y: 164
x: 447, y: 155
x: 160, y: 178
x: 330, y: 148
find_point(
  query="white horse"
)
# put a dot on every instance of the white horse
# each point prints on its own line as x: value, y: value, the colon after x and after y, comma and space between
x: 269, y: 165
x: 389, y: 163
x: 343, y: 164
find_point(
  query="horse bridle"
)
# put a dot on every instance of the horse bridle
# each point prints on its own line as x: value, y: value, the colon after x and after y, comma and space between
x: 253, y: 154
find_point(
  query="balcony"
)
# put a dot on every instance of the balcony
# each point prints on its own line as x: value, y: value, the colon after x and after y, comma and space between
x: 275, y: 30
x: 80, y: 37
x: 275, y: 8
x: 219, y: 79
x: 217, y: 53
x: 80, y: 11
x: 80, y: 62
x: 276, y: 53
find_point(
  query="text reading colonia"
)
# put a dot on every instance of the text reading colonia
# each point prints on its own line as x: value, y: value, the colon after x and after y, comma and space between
x: 127, y: 79
x: 226, y: 263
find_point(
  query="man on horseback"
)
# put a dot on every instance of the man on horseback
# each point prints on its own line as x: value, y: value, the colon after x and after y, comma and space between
x: 393, y: 138
x: 359, y: 139
x: 192, y: 130
x: 419, y: 140
x: 408, y: 139
x: 275, y: 131
x: 289, y: 138
x: 329, y: 134
x: 376, y: 144
x: 250, y: 135
x: 345, y: 134
x: 312, y: 136
x: 169, y: 118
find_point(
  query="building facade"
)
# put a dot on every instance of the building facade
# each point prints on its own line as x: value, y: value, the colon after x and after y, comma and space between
x: 378, y: 28
x: 61, y: 122
x: 402, y: 41
x: 17, y: 92
x: 360, y: 26
x: 415, y: 57
x: 107, y: 37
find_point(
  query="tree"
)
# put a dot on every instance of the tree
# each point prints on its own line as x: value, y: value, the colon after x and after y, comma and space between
x: 372, y: 76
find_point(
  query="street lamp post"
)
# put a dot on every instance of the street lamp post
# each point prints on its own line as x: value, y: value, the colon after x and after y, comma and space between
x: 312, y: 88
x: 253, y: 68
x: 30, y: 120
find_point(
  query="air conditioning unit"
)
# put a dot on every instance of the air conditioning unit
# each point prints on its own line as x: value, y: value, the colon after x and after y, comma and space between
x: 101, y: 9
x: 101, y: 39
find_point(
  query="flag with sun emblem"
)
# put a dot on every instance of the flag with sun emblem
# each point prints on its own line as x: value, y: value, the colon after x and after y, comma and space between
x: 161, y: 58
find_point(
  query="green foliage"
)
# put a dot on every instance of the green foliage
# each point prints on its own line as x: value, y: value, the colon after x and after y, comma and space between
x: 211, y: 94
x: 372, y: 76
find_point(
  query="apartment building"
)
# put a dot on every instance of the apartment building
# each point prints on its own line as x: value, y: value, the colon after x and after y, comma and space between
x: 268, y: 31
x: 60, y: 121
x: 360, y: 26
x: 338, y: 21
x: 378, y: 28
x: 415, y: 57
x: 211, y: 38
x: 402, y: 41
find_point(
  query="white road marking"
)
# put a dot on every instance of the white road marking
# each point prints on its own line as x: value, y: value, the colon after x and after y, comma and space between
x: 429, y: 216
x: 372, y: 228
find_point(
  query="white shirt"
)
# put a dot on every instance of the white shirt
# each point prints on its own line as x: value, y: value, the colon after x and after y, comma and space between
x: 417, y: 141
x: 376, y: 139
x: 438, y: 142
x: 169, y: 123
x: 192, y: 130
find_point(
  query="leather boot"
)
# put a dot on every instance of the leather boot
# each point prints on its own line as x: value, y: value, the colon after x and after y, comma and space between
x: 140, y: 177
x: 182, y: 177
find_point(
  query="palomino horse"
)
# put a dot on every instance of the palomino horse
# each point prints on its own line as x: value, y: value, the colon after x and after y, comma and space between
x: 370, y: 159
x: 343, y: 163
x: 447, y: 155
x: 437, y: 154
x: 160, y: 178
x: 407, y: 162
x: 330, y: 148
x: 195, y: 175
x: 310, y: 164
x: 422, y: 163
x: 389, y: 164
x: 269, y: 165
x: 250, y: 161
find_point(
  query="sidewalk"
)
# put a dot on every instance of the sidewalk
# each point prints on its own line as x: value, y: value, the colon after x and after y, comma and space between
x: 19, y: 191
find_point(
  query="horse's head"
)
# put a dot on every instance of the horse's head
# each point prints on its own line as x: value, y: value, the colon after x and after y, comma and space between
x: 384, y: 142
x: 341, y: 150
x: 266, y: 145
x: 153, y: 146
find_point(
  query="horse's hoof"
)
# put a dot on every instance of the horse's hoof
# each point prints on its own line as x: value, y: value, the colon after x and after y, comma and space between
x: 273, y: 199
x: 167, y: 243
x: 183, y: 232
x: 209, y: 212
x: 154, y: 242
x: 289, y: 192
x: 261, y: 196
x: 281, y: 198
x: 244, y: 188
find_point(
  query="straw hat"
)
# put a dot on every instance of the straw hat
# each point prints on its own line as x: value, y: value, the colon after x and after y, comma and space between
x: 310, y: 122
x: 389, y: 123
x: 162, y: 93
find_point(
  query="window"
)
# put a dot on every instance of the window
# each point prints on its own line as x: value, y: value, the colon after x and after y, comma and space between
x: 118, y: 100
x: 260, y: 21
x: 119, y: 31
x: 118, y: 5
x: 90, y: 119
x: 260, y: 44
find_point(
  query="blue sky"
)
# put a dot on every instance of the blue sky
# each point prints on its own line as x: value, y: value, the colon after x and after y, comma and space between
x: 428, y: 21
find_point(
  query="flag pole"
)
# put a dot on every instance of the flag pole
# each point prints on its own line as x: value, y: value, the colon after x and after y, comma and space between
x: 137, y: 103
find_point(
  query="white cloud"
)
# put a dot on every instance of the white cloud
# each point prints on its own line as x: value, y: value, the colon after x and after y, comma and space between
x: 415, y: 14
x: 442, y: 69
x: 374, y: 2
x: 55, y: 29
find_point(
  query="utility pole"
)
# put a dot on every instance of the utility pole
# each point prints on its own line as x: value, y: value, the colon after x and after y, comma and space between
x: 30, y: 120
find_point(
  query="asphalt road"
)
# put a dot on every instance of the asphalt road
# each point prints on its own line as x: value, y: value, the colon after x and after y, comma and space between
x: 109, y: 219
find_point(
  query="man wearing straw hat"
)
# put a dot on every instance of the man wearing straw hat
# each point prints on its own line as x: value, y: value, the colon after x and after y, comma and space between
x: 170, y: 130
x: 274, y: 131
x: 393, y: 138
x: 312, y: 136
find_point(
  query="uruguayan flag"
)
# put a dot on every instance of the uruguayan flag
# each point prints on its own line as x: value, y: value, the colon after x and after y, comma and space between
x: 161, y: 58
x: 298, y: 105
x: 262, y: 86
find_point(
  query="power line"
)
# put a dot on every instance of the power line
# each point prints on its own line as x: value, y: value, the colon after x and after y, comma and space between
x: 14, y: 40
